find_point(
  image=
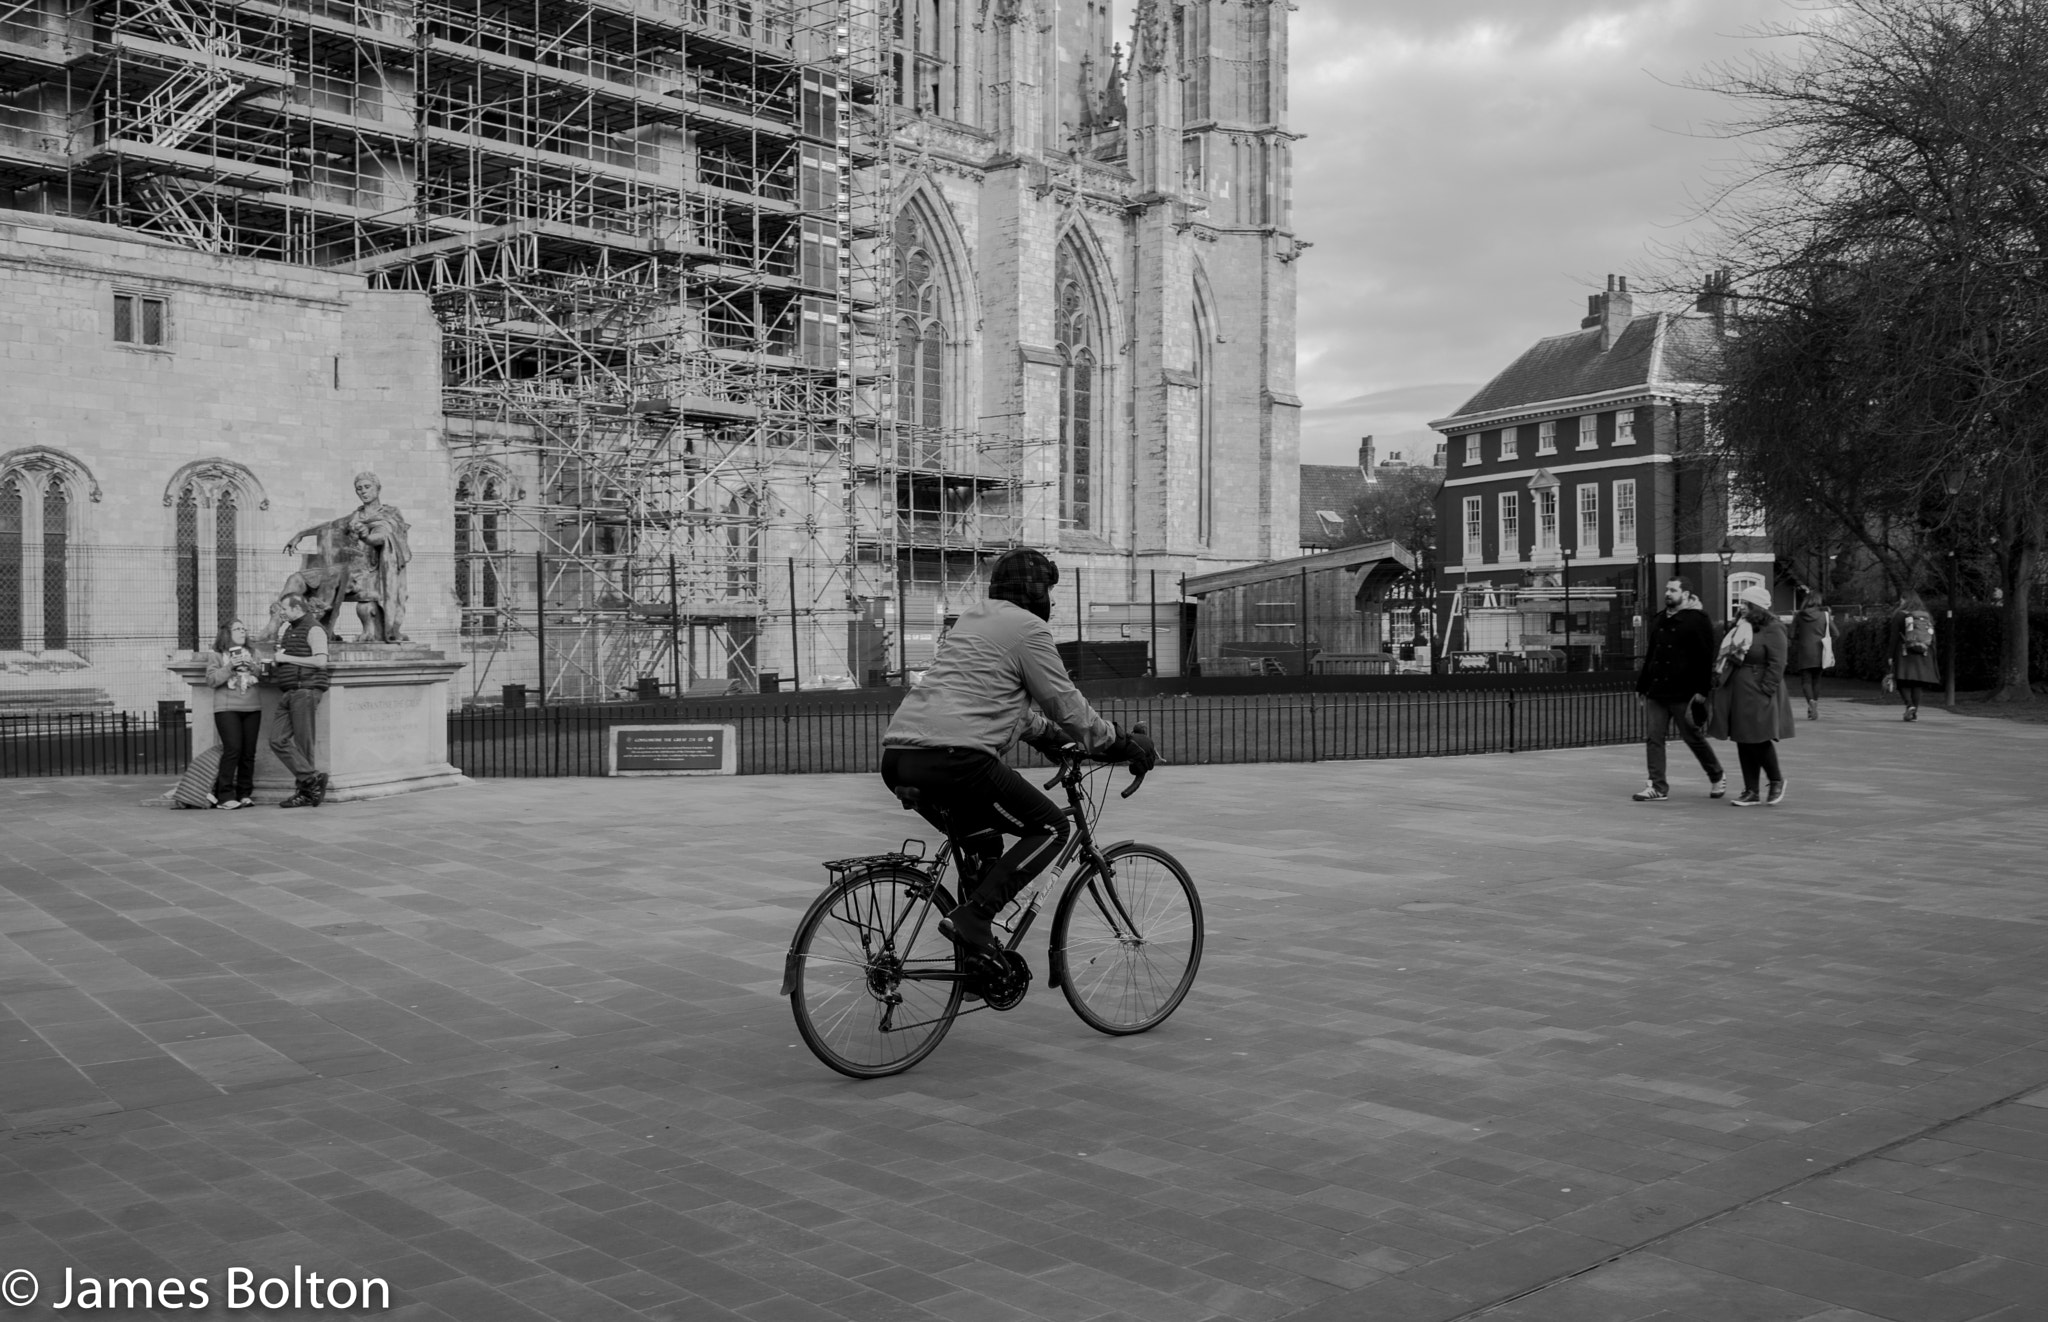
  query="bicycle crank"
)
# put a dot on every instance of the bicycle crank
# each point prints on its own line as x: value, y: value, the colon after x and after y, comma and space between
x: 1001, y: 985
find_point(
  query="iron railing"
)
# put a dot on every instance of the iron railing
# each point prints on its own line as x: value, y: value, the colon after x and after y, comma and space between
x: 100, y: 743
x: 842, y: 731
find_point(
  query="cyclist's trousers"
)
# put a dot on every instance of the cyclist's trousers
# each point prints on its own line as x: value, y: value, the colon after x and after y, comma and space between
x: 986, y: 801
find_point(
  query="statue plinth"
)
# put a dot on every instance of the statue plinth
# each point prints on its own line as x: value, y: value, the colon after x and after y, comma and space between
x: 382, y: 728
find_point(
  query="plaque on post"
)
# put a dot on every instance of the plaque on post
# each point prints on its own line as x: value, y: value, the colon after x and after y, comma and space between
x: 672, y: 750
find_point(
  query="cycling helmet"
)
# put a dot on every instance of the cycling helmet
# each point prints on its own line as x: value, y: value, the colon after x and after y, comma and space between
x: 1024, y: 577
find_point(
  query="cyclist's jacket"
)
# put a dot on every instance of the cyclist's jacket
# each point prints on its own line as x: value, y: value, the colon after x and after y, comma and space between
x: 995, y: 672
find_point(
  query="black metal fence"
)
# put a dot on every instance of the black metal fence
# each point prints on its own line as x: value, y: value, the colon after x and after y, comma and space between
x: 101, y: 743
x: 1221, y: 721
x: 842, y: 732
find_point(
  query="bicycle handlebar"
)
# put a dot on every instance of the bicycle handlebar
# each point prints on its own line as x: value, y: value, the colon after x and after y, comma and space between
x: 1071, y: 756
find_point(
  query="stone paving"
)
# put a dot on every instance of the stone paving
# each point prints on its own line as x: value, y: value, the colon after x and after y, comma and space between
x: 1472, y: 1036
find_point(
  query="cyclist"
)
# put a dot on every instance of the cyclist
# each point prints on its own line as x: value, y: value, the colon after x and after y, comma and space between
x: 997, y: 678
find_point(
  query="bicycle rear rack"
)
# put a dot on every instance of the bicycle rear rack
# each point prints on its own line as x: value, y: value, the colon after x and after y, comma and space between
x: 838, y: 868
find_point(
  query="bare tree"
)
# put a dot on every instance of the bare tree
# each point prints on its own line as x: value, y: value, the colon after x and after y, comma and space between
x: 1891, y: 253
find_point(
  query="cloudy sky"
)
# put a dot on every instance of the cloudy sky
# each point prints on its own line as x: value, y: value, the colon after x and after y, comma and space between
x: 1472, y: 170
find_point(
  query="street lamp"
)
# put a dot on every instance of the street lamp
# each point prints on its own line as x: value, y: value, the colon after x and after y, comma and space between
x: 1565, y: 552
x: 1726, y: 555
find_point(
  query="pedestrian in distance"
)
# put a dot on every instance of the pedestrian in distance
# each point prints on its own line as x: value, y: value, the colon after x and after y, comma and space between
x: 1909, y: 660
x: 1677, y: 675
x: 1753, y: 703
x: 300, y: 673
x: 232, y: 669
x: 1813, y: 649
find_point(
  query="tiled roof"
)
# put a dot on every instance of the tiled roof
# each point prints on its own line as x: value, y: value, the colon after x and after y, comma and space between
x: 1331, y: 489
x: 1656, y: 349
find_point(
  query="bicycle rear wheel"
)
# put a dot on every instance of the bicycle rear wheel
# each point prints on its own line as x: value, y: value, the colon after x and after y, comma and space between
x: 872, y: 983
x: 1124, y: 952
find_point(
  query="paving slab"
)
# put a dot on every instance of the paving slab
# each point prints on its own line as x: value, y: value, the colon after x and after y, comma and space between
x: 1472, y: 1036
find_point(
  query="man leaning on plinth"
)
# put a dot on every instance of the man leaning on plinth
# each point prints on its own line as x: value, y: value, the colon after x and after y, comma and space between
x: 300, y: 673
x: 1678, y: 666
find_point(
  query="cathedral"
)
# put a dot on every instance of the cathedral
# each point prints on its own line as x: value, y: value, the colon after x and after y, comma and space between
x: 1099, y: 248
x: 701, y: 341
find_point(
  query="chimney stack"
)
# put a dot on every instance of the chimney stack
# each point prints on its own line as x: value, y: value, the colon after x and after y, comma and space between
x: 1610, y: 311
x: 1715, y: 299
x: 1365, y: 456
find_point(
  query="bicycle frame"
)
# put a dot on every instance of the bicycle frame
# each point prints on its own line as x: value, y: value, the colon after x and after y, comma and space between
x: 1081, y: 856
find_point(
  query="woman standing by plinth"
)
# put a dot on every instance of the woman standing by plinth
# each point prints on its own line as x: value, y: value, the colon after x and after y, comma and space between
x: 1753, y: 706
x: 232, y: 669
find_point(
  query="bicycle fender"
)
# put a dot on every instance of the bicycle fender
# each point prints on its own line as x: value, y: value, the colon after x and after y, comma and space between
x: 791, y: 962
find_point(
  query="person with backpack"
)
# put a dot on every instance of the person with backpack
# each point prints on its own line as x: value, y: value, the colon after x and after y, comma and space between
x: 1910, y: 665
x: 1813, y: 649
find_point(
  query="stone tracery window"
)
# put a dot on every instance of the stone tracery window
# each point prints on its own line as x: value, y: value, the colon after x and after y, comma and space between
x: 39, y: 512
x: 13, y: 564
x: 213, y: 505
x: 1076, y: 340
x: 920, y: 337
x: 482, y: 497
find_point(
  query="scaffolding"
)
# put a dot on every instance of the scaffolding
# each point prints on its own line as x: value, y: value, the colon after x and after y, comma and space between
x: 656, y: 234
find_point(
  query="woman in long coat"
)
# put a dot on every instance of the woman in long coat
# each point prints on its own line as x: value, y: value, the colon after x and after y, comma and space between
x: 1910, y: 671
x: 1811, y: 628
x: 1753, y: 705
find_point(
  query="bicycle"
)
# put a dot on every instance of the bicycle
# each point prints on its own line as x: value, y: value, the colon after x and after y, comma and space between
x: 875, y: 987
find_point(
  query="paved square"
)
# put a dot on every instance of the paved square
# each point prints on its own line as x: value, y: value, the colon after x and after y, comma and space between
x: 1469, y: 1032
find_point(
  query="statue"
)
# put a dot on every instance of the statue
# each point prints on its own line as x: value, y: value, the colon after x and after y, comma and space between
x: 361, y: 557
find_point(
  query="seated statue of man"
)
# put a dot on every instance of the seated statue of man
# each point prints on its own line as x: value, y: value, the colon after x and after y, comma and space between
x: 361, y: 558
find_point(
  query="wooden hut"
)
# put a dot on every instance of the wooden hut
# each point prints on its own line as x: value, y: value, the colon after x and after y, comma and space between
x: 1310, y: 614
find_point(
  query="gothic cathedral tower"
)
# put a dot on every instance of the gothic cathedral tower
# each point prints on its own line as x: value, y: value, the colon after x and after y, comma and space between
x: 1094, y: 299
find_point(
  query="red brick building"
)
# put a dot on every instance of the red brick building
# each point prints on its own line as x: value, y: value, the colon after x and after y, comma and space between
x: 1588, y: 462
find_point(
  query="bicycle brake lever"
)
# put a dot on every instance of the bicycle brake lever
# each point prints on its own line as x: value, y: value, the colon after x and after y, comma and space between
x: 1137, y: 779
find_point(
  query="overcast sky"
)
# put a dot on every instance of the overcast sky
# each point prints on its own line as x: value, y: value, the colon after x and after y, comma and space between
x: 1472, y: 170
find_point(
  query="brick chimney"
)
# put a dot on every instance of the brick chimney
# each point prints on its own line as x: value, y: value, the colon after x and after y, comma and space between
x: 1365, y: 456
x: 1717, y: 299
x: 1610, y: 311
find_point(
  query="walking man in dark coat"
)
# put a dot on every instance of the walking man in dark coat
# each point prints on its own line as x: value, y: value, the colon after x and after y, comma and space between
x: 1678, y: 666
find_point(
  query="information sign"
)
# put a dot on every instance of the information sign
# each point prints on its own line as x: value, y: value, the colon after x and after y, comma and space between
x: 672, y: 750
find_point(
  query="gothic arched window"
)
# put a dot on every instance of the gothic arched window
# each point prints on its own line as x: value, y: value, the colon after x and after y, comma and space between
x: 743, y: 545
x: 13, y: 564
x: 187, y: 551
x: 56, y: 565
x: 1080, y: 368
x: 39, y: 522
x: 481, y: 500
x: 212, y: 503
x: 920, y: 337
x: 1205, y: 428
x: 227, y: 552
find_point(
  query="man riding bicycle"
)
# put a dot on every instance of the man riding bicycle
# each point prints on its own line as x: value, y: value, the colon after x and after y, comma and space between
x: 997, y: 678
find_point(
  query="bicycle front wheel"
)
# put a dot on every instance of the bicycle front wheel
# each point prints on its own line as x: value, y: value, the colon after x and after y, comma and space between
x: 1125, y: 951
x: 873, y: 984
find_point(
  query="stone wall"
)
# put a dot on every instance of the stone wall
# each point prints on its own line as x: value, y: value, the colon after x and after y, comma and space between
x: 273, y: 384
